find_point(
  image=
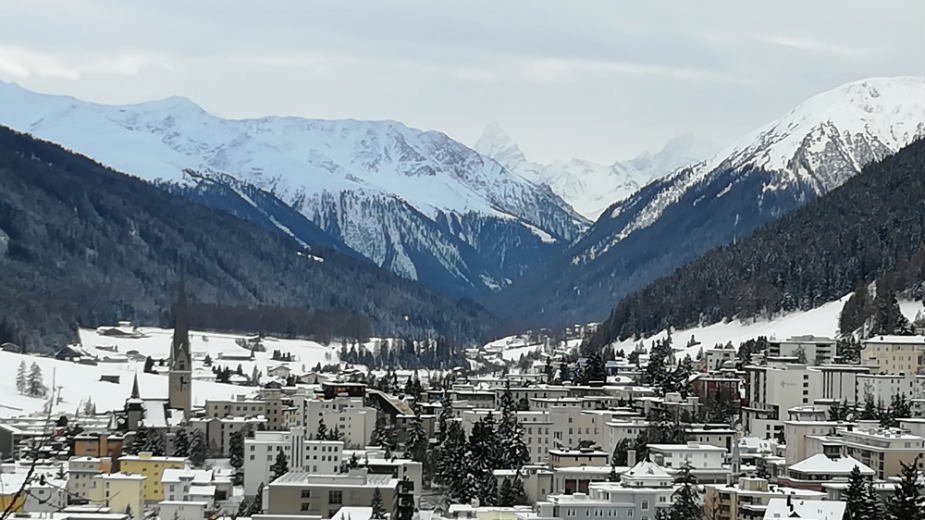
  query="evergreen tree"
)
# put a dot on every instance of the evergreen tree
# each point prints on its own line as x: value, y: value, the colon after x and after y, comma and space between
x: 377, y: 506
x: 518, y: 491
x: 236, y: 452
x: 21, y: 378
x: 35, y: 387
x: 859, y: 504
x: 197, y: 448
x: 869, y: 412
x: 322, y: 433
x: 416, y: 447
x: 446, y: 415
x: 149, y: 365
x: 139, y: 440
x: 510, y: 436
x: 256, y: 505
x: 89, y: 407
x: 154, y: 442
x: 906, y: 503
x: 506, y: 493
x: 685, y: 501
x: 280, y: 466
x: 181, y: 444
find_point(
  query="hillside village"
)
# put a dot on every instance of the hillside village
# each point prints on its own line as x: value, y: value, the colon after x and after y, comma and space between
x: 226, y: 426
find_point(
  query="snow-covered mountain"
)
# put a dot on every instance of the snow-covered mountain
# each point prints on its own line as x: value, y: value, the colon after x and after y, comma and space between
x: 809, y: 151
x: 383, y: 189
x: 588, y: 186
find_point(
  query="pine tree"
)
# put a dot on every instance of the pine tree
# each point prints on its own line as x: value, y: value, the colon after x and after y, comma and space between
x: 859, y: 504
x: 197, y: 448
x: 377, y: 506
x: 685, y: 501
x: 510, y: 436
x: 181, y: 444
x: 906, y: 503
x: 89, y: 407
x: 446, y: 415
x: 154, y: 443
x: 236, y: 452
x: 322, y: 433
x: 518, y: 491
x: 139, y: 440
x: 281, y: 466
x: 506, y: 493
x: 35, y: 387
x: 21, y: 378
x: 256, y: 506
x: 416, y: 447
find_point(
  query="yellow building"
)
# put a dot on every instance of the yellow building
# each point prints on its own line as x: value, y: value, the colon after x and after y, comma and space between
x: 10, y: 483
x: 893, y: 354
x: 153, y: 468
x: 120, y: 492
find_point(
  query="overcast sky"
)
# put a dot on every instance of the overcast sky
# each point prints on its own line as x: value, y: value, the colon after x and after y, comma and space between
x: 598, y: 80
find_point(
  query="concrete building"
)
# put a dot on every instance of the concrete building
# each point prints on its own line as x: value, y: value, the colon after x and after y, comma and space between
x: 182, y: 510
x: 218, y: 430
x: 818, y: 469
x: 80, y: 474
x: 153, y: 468
x: 260, y: 452
x: 120, y: 492
x: 813, y: 350
x: 353, y: 420
x: 893, y: 354
x: 801, y: 508
x: 582, y: 457
x: 706, y: 461
x: 643, y: 489
x: 748, y: 499
x: 883, y: 450
x: 301, y: 493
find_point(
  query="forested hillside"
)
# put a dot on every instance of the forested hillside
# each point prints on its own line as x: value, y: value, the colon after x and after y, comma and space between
x: 822, y: 251
x: 82, y: 244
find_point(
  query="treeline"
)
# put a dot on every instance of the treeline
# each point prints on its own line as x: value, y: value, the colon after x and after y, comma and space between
x: 812, y: 255
x: 437, y: 352
x: 82, y: 245
x: 322, y: 326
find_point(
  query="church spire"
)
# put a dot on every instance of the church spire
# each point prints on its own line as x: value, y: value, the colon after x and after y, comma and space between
x: 135, y: 393
x: 180, y: 347
x: 181, y: 362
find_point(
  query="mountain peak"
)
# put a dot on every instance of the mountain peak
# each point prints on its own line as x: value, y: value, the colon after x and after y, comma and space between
x: 498, y: 145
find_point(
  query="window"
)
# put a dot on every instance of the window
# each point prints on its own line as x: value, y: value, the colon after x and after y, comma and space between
x: 305, y: 506
x: 645, y: 505
x: 306, y: 493
x: 335, y: 497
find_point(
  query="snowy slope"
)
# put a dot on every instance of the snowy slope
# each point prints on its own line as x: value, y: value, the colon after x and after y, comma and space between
x: 79, y: 382
x: 821, y: 321
x: 348, y: 177
x: 588, y: 186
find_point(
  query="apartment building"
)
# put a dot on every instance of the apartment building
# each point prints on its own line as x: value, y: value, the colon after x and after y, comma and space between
x: 808, y: 349
x: 153, y: 468
x: 883, y: 450
x: 821, y: 468
x: 120, y: 492
x: 893, y: 354
x: 260, y: 452
x: 748, y: 499
x: 80, y: 474
x: 706, y: 461
x: 303, y: 493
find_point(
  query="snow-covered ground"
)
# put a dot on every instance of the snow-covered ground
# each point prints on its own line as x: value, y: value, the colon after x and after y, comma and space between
x: 79, y: 382
x: 821, y: 321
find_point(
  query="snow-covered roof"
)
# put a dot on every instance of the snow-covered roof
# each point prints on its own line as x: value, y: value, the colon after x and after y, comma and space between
x: 821, y: 464
x: 804, y: 509
x: 647, y: 470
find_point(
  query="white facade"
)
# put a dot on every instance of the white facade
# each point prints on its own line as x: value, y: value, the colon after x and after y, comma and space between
x: 260, y: 452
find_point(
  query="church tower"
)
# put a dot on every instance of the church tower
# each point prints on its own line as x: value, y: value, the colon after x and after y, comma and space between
x: 180, y: 395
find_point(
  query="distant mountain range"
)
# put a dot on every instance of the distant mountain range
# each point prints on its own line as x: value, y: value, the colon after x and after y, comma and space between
x: 672, y: 221
x: 81, y: 244
x: 590, y: 187
x: 486, y: 223
x: 416, y: 203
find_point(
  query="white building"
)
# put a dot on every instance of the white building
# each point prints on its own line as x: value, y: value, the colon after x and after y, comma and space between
x: 786, y: 508
x: 260, y: 452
